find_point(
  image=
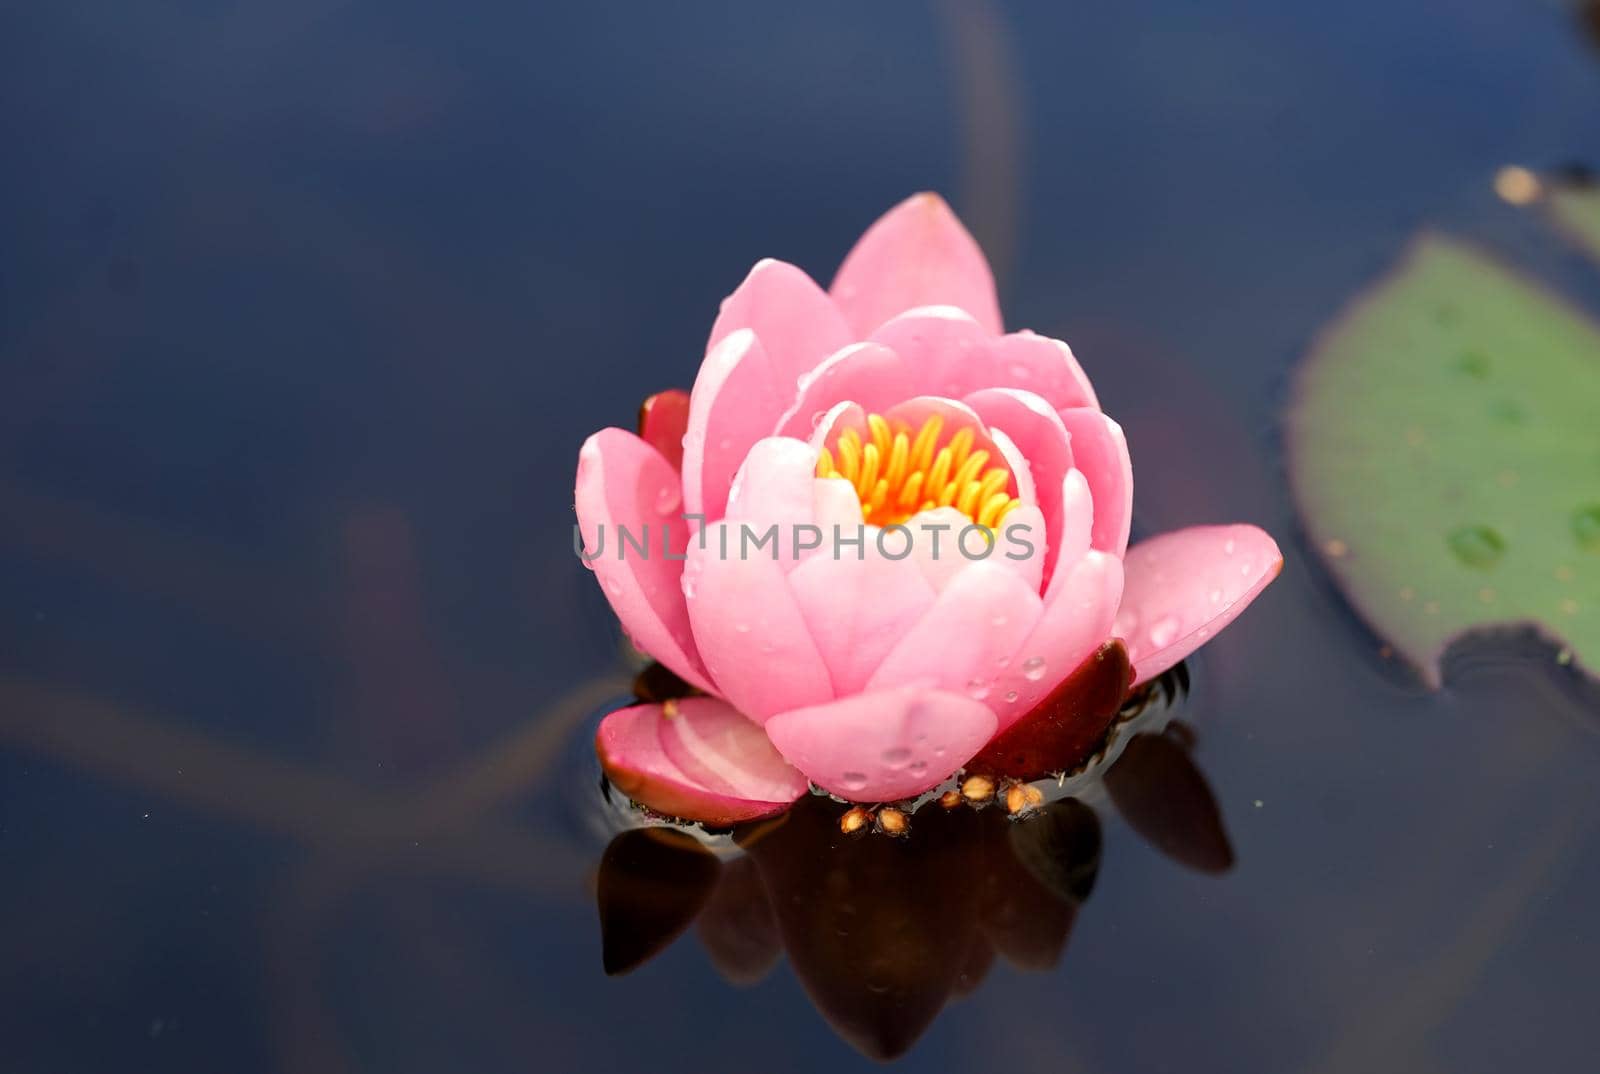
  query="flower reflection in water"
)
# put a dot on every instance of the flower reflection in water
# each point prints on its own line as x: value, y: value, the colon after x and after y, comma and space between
x: 884, y: 932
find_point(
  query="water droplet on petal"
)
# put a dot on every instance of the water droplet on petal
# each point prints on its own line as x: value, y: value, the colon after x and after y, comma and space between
x: 1021, y: 372
x: 978, y: 689
x: 896, y: 758
x: 668, y: 499
x: 853, y: 781
x: 1011, y: 697
x: 1215, y: 596
x: 1228, y: 546
x: 1164, y: 631
x: 1033, y: 668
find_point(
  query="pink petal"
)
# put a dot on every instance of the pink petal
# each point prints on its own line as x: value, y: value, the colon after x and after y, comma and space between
x: 663, y: 419
x: 719, y: 749
x: 857, y: 609
x: 1078, y: 611
x: 751, y: 634
x: 775, y: 486
x: 1185, y: 586
x: 795, y: 320
x: 1044, y: 366
x: 1101, y: 451
x: 916, y: 254
x: 866, y: 373
x: 629, y: 744
x: 935, y: 551
x: 881, y: 747
x: 1032, y: 424
x: 735, y: 402
x: 622, y: 481
x: 978, y: 621
x: 953, y: 355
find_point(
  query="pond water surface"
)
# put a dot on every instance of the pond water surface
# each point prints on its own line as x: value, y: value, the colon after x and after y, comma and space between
x: 304, y: 311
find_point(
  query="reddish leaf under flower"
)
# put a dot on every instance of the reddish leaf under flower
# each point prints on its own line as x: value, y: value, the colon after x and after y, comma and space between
x: 1063, y: 729
x: 663, y: 418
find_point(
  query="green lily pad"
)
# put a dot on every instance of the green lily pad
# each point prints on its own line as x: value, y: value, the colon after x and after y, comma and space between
x: 1444, y: 448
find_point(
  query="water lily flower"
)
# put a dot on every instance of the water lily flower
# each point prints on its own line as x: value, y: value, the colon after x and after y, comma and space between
x: 854, y: 652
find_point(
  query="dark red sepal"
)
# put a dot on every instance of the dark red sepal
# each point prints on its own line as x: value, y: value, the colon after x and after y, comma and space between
x: 1063, y: 730
x: 663, y: 419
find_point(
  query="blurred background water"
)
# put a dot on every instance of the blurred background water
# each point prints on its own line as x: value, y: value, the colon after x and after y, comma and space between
x: 304, y: 311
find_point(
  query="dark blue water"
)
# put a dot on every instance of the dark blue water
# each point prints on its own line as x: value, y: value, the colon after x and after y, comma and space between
x: 304, y: 311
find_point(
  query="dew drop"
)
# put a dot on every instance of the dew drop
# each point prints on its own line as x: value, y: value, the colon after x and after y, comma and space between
x: 1245, y: 570
x: 978, y: 689
x: 1021, y: 372
x: 613, y: 587
x: 918, y: 767
x: 1215, y: 596
x: 1228, y: 546
x: 687, y: 581
x: 816, y: 419
x: 1478, y: 546
x: 1586, y: 526
x: 1163, y: 631
x: 896, y: 758
x: 668, y: 499
x: 1011, y: 697
x: 1033, y: 668
x: 853, y: 781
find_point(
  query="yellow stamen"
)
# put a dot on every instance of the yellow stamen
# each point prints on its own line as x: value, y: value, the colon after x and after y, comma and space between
x: 898, y: 471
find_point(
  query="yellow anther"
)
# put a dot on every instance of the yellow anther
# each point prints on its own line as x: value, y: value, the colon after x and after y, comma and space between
x: 882, y: 435
x: 899, y: 456
x: 825, y: 466
x: 898, y: 471
x: 869, y: 468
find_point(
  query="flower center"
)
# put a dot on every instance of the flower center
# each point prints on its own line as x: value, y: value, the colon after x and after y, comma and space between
x: 901, y: 470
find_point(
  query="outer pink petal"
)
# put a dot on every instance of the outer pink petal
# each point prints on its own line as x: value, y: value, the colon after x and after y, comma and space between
x: 1185, y: 586
x: 796, y: 321
x: 622, y: 481
x: 858, y: 609
x: 976, y: 623
x: 916, y: 254
x: 884, y: 746
x: 752, y: 636
x: 1101, y: 451
x: 713, y: 744
x: 866, y: 373
x: 629, y: 744
x: 1078, y: 611
x: 735, y: 402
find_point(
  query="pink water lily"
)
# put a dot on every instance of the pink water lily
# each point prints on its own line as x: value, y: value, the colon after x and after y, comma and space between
x: 894, y: 401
